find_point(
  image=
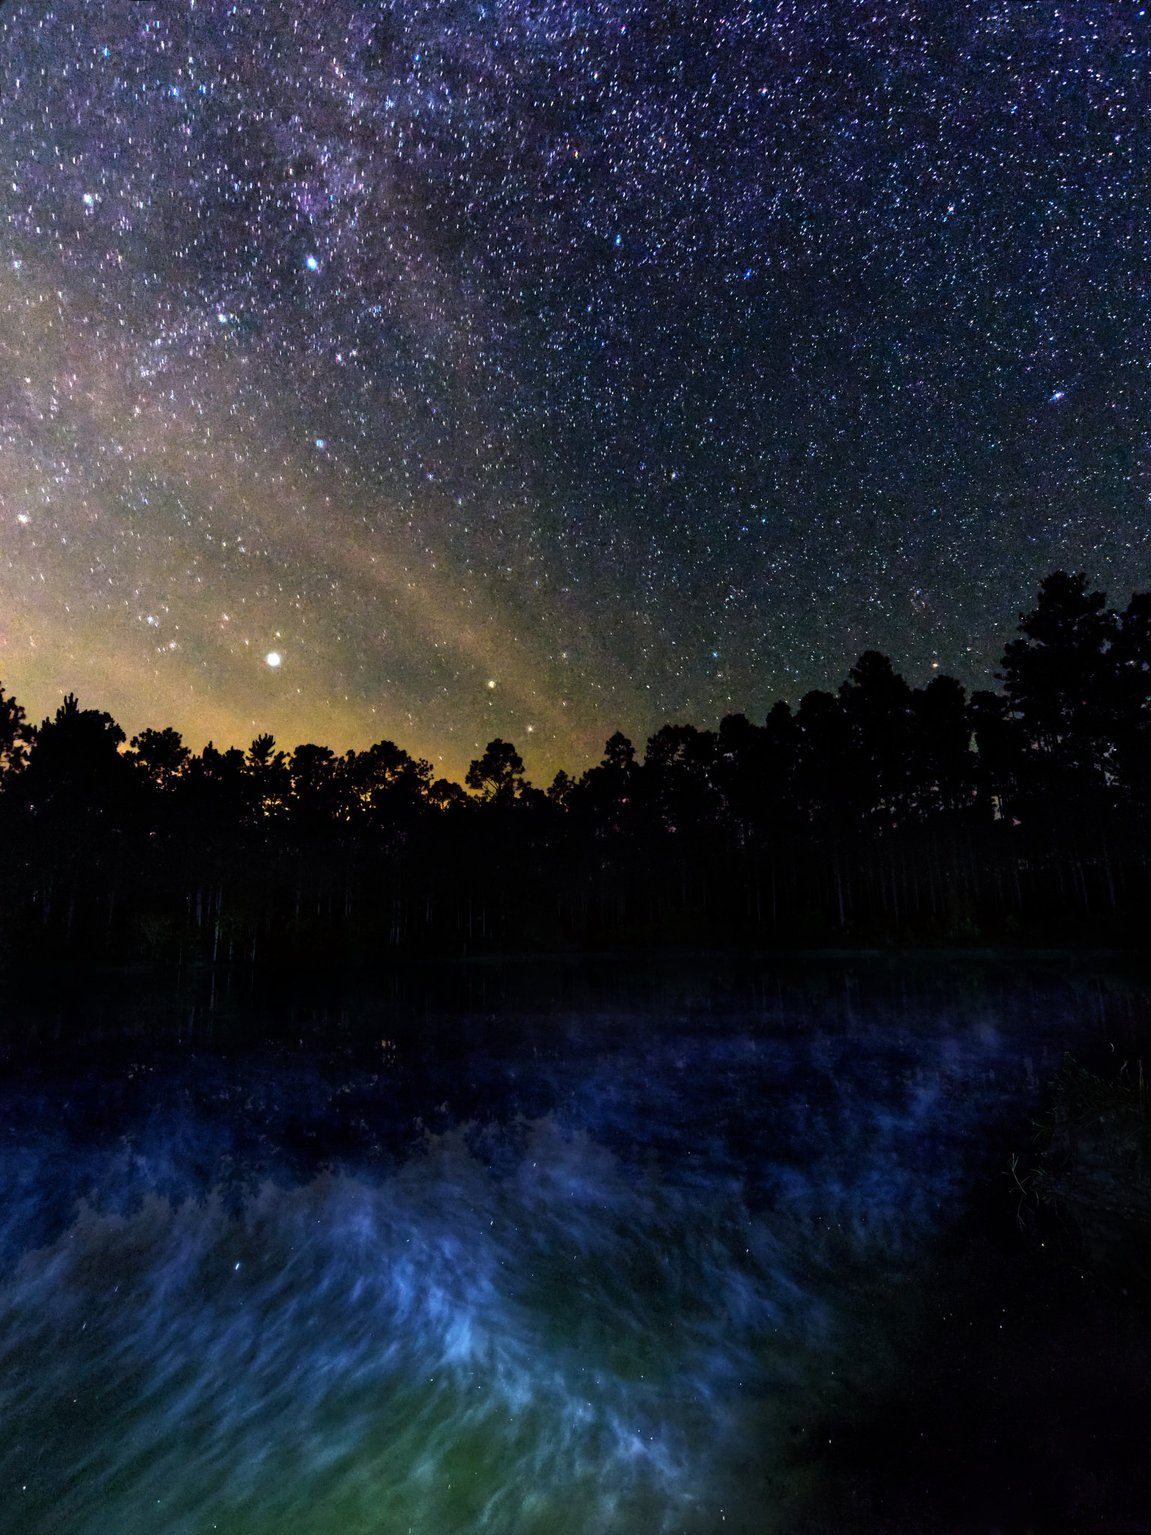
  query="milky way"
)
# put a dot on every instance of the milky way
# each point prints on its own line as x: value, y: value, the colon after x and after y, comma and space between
x: 542, y: 370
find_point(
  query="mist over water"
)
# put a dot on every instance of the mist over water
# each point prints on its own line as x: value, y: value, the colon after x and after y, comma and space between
x: 586, y: 1271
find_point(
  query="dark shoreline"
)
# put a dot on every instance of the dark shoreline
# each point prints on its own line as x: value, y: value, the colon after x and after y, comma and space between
x: 541, y: 976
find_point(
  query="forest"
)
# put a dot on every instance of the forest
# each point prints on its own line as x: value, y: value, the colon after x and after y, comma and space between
x: 878, y: 814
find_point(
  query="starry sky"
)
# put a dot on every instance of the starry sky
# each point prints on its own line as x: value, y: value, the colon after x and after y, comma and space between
x: 537, y: 369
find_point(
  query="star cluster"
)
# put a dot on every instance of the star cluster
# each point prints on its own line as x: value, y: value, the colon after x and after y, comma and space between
x: 537, y: 370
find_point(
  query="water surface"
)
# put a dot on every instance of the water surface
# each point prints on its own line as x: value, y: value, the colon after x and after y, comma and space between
x: 552, y: 1255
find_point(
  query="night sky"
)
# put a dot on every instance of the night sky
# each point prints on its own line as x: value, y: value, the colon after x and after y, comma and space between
x: 539, y: 370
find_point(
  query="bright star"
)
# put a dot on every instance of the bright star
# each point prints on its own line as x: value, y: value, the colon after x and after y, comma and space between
x: 273, y: 658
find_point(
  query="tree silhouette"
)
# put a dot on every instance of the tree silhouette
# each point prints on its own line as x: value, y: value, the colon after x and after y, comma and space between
x: 317, y: 786
x: 679, y: 777
x: 16, y: 736
x: 999, y: 771
x: 1060, y: 679
x: 878, y: 705
x: 80, y: 800
x: 77, y: 767
x: 832, y: 792
x: 498, y: 776
x: 1132, y: 657
x: 161, y: 754
x: 443, y: 794
x: 875, y: 812
x: 781, y: 746
x: 605, y: 796
x: 270, y: 778
x: 942, y: 768
x: 560, y: 790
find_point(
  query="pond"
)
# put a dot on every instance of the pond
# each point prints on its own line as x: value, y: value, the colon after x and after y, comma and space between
x: 537, y: 1249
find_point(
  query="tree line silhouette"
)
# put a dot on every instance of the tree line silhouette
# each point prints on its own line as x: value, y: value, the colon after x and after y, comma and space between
x: 877, y: 813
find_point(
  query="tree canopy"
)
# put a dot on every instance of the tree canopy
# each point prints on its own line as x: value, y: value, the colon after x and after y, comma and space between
x: 879, y: 806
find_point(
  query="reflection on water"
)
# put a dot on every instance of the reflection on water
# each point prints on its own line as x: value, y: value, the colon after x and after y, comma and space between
x: 592, y: 1272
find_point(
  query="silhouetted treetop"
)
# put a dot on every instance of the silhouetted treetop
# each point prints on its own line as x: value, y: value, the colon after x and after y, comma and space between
x: 876, y: 758
x: 16, y: 735
x: 161, y: 754
x: 498, y: 776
